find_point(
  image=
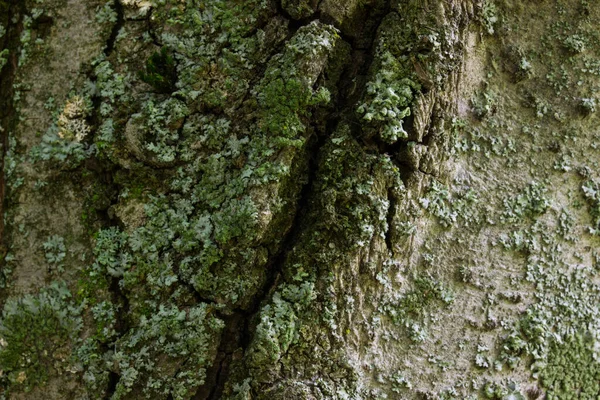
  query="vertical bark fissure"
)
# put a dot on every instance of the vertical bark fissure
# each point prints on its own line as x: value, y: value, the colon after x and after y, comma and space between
x: 8, y: 112
x: 236, y: 324
x: 217, y: 375
x: 106, y: 173
x: 391, y: 211
x: 245, y: 321
x: 113, y: 380
x: 112, y: 39
x: 240, y: 326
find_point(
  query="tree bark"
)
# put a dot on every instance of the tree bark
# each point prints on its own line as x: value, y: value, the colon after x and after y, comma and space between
x: 298, y: 199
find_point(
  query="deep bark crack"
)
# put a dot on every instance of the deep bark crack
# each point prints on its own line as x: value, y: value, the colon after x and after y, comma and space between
x: 8, y: 113
x: 112, y: 39
x: 240, y: 326
x: 105, y: 172
x: 245, y: 321
x: 113, y: 380
x: 390, y: 219
x: 231, y: 341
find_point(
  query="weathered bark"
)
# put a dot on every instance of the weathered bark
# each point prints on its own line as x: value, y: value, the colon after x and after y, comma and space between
x: 297, y: 199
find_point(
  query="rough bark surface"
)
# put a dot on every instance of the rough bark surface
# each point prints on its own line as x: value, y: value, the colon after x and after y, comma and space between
x: 299, y: 199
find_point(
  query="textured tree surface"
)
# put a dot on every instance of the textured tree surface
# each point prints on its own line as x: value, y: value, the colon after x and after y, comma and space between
x: 299, y: 199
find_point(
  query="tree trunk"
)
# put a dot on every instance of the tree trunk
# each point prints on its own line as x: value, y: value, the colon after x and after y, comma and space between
x: 299, y: 199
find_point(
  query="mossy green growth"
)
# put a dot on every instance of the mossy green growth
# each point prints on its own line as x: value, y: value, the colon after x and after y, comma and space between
x: 205, y: 232
x: 572, y: 370
x: 278, y: 329
x: 110, y: 260
x: 3, y: 58
x: 284, y: 103
x: 489, y: 16
x: 492, y: 390
x: 60, y: 153
x: 591, y: 191
x: 55, y: 252
x: 167, y: 353
x: 389, y: 96
x: 109, y: 263
x: 159, y: 128
x: 349, y: 216
x: 298, y: 9
x: 214, y: 45
x: 285, y: 95
x: 160, y: 72
x: 450, y: 207
x: 36, y: 333
x: 350, y: 210
x: 531, y: 202
x: 484, y: 103
x: 410, y: 309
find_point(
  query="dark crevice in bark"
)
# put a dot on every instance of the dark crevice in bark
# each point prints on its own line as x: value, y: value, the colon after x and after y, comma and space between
x: 395, y: 151
x: 391, y: 211
x: 122, y: 325
x: 372, y: 142
x: 275, y: 266
x: 427, y: 173
x: 352, y: 84
x: 197, y: 296
x: 112, y: 39
x: 343, y: 102
x: 122, y: 321
x: 13, y: 21
x: 113, y: 380
x: 293, y: 27
x: 295, y: 24
x: 236, y: 323
x: 242, y: 324
x: 42, y: 26
x: 104, y: 171
x: 151, y: 30
x: 231, y: 341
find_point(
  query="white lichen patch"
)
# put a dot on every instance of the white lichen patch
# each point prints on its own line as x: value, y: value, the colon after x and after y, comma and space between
x: 142, y: 5
x: 71, y: 122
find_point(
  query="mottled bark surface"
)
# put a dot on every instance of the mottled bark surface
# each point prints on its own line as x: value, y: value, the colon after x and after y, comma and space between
x: 298, y: 199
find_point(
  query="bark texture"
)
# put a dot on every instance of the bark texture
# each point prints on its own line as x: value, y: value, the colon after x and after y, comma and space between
x: 299, y: 199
